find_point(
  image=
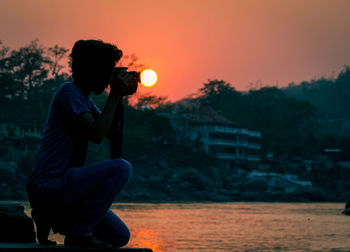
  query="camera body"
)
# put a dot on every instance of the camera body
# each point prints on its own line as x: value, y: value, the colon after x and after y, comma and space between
x: 119, y: 70
x: 134, y: 75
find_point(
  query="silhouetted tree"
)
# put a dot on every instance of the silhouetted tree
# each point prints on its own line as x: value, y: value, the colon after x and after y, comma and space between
x: 28, y: 67
x: 25, y: 84
x: 330, y: 96
x: 149, y: 101
x: 58, y: 54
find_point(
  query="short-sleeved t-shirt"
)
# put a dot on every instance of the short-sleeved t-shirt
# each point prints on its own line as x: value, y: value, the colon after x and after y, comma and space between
x: 62, y: 145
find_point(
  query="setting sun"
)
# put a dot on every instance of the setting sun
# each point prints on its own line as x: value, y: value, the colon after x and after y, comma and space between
x: 148, y: 77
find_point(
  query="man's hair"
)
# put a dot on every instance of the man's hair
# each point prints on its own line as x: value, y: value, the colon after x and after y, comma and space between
x: 89, y: 56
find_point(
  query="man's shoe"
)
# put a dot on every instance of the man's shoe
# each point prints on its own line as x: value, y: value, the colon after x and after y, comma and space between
x: 87, y: 241
x: 43, y: 227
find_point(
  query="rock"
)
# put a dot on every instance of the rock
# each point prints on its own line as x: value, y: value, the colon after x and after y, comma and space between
x: 194, y: 178
x: 346, y: 211
x: 32, y: 247
x: 8, y: 172
x: 256, y: 185
x: 15, y: 225
x: 315, y: 195
x: 217, y: 196
x: 347, y: 208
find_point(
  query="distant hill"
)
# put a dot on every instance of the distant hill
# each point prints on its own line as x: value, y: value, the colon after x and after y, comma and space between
x: 330, y: 96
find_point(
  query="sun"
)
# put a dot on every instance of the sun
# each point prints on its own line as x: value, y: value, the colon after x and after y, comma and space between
x: 148, y: 77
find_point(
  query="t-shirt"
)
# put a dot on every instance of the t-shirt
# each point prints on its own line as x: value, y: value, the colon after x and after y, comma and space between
x: 62, y: 145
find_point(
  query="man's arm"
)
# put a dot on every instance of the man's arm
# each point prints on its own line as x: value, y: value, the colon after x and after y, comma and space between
x: 97, y: 114
x: 97, y: 129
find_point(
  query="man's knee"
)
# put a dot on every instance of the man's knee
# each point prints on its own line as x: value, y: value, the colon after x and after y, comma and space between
x: 122, y: 168
x: 123, y: 240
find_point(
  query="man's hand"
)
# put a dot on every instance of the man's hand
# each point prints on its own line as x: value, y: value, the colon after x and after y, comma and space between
x: 123, y: 84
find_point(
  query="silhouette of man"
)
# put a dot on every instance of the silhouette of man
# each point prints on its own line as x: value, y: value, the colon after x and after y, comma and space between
x: 72, y: 198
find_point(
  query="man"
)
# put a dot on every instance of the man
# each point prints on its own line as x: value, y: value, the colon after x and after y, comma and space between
x: 72, y: 198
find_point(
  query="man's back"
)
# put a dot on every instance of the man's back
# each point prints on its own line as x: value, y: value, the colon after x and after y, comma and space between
x: 62, y: 144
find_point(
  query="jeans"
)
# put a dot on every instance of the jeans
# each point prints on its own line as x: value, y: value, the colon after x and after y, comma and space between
x: 81, y: 198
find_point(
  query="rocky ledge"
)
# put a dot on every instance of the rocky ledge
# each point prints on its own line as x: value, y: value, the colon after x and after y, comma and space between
x: 17, y: 234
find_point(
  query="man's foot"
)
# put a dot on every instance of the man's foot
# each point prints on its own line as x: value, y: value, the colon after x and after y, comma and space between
x: 42, y: 227
x: 87, y: 241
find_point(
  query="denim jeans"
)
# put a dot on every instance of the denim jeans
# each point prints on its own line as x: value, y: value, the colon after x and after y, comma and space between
x: 81, y: 199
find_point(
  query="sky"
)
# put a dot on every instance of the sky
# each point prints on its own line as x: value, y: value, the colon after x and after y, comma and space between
x: 244, y: 42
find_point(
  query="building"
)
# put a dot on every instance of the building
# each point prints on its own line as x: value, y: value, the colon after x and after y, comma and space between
x: 217, y: 134
x: 17, y: 138
x: 20, y: 130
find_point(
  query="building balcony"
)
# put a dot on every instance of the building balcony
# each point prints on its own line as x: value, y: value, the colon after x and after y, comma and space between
x: 228, y: 156
x: 231, y: 130
x: 234, y: 143
x: 255, y: 146
x: 253, y: 158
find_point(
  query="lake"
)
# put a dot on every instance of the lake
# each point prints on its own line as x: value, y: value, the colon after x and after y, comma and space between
x: 235, y: 226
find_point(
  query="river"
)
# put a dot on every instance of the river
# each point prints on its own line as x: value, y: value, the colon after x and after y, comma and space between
x: 234, y: 226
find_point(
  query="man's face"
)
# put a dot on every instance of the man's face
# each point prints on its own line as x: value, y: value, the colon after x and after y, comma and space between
x: 101, y: 81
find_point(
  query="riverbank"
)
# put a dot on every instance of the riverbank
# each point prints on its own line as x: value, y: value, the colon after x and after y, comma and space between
x: 207, y: 184
x: 138, y: 195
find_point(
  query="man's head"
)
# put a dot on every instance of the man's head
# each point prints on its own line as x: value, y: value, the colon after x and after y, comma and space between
x: 92, y: 64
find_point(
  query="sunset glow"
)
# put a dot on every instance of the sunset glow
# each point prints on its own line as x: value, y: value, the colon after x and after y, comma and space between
x: 148, y: 77
x: 243, y: 42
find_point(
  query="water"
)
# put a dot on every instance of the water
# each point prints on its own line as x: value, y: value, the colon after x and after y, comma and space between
x: 235, y: 226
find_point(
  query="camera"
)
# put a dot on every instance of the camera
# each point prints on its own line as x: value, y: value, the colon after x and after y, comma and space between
x: 119, y: 70
x: 136, y: 76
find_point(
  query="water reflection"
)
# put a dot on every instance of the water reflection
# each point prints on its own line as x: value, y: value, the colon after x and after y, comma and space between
x: 145, y: 238
x: 235, y: 226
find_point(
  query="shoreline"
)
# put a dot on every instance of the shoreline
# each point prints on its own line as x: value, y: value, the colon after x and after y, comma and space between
x: 198, y: 202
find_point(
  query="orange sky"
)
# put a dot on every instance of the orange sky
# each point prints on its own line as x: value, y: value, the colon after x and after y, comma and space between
x: 189, y: 41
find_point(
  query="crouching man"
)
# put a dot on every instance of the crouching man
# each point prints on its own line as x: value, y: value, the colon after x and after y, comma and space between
x: 65, y: 195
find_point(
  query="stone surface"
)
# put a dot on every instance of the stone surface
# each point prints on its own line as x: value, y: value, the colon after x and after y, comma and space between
x: 33, y: 247
x: 15, y: 225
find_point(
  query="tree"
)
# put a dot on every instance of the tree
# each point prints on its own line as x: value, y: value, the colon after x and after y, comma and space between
x: 329, y: 95
x: 24, y: 70
x: 222, y: 97
x: 215, y: 88
x: 26, y: 87
x: 149, y: 101
x: 130, y: 61
x: 6, y: 89
x: 58, y: 53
